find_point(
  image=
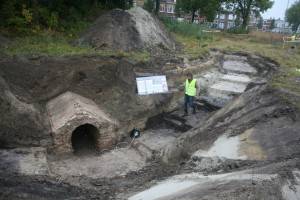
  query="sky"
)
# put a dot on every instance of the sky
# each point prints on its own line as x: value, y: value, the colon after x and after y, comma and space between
x: 278, y: 9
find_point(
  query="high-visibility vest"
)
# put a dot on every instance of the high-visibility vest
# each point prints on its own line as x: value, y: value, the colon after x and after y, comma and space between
x: 190, y: 87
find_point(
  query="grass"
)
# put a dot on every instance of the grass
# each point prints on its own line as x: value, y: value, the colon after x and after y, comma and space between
x: 184, y: 28
x: 47, y: 44
x: 263, y: 44
x: 44, y: 45
x: 193, y: 48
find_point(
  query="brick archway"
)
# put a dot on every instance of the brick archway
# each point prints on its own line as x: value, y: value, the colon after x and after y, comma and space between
x: 71, y: 112
x: 84, y: 139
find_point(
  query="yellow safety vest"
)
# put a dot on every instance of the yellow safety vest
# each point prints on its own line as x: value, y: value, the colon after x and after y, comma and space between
x: 190, y: 87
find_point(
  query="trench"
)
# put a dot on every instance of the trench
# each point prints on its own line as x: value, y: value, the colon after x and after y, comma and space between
x: 223, y: 160
x: 135, y: 171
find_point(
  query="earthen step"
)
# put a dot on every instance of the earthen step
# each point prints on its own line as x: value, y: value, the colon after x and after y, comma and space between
x: 239, y: 67
x: 225, y: 89
x: 236, y: 78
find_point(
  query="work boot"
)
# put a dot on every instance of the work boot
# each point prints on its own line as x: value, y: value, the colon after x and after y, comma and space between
x: 185, y: 113
x: 194, y: 111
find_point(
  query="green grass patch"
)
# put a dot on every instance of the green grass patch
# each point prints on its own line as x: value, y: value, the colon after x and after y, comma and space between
x: 49, y: 45
x: 193, y: 48
x: 61, y: 45
x: 184, y: 28
x: 195, y: 38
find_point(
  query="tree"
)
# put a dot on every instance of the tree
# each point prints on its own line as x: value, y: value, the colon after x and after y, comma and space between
x: 293, y: 15
x: 157, y: 6
x: 245, y: 7
x: 260, y: 23
x: 27, y: 15
x: 272, y: 25
x: 207, y: 8
x: 149, y: 5
x: 123, y: 4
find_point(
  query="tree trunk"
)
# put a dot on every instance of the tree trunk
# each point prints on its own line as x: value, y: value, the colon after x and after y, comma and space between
x: 157, y: 6
x: 193, y: 16
x: 246, y: 13
x: 245, y: 22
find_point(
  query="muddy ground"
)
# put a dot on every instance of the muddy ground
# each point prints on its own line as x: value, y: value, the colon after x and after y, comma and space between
x: 266, y: 159
x: 27, y: 84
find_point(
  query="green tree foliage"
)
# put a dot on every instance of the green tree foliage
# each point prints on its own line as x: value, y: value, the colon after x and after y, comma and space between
x: 152, y: 6
x: 123, y: 4
x: 157, y: 6
x: 207, y: 8
x: 244, y: 8
x: 272, y: 25
x: 59, y: 15
x: 149, y: 5
x: 293, y: 15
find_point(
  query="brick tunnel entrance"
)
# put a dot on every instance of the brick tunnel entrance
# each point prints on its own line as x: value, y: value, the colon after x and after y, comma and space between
x: 84, y: 139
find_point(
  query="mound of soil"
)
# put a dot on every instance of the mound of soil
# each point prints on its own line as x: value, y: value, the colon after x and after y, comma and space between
x: 127, y: 30
x: 26, y: 85
x: 21, y: 123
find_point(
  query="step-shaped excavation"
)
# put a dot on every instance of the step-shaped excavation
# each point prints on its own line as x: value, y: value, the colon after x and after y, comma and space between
x: 232, y: 77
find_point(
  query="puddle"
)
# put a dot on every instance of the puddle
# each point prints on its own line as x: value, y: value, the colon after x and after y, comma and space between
x: 290, y: 191
x: 180, y: 183
x: 164, y: 189
x: 224, y: 146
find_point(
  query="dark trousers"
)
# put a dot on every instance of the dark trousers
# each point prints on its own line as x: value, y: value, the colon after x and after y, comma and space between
x: 189, y: 102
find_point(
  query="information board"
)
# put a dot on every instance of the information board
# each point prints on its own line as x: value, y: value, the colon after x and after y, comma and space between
x: 152, y: 85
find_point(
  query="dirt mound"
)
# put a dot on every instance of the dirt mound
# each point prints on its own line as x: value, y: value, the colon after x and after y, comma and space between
x: 21, y: 123
x: 127, y: 30
x: 28, y: 84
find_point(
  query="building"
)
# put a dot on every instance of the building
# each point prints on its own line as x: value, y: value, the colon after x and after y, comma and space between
x: 167, y: 7
x: 253, y: 22
x: 225, y: 20
x: 228, y: 20
x: 280, y: 26
x: 266, y: 24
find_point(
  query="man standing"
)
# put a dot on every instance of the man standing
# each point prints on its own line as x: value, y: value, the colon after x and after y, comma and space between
x: 190, y: 93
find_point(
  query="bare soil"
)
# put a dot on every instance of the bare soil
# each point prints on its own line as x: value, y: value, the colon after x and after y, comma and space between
x: 259, y: 114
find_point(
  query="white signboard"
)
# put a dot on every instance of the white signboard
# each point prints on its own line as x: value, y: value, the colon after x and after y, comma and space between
x: 152, y: 85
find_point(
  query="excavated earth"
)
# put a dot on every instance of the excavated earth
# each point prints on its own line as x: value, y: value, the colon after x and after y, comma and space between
x: 65, y: 123
x: 128, y: 30
x: 239, y: 145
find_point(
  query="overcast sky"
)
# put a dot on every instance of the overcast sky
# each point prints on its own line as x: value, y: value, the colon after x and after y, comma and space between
x: 278, y: 9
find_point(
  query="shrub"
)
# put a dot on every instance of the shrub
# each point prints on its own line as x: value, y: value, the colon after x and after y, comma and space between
x: 184, y: 28
x: 149, y: 5
x: 238, y: 30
